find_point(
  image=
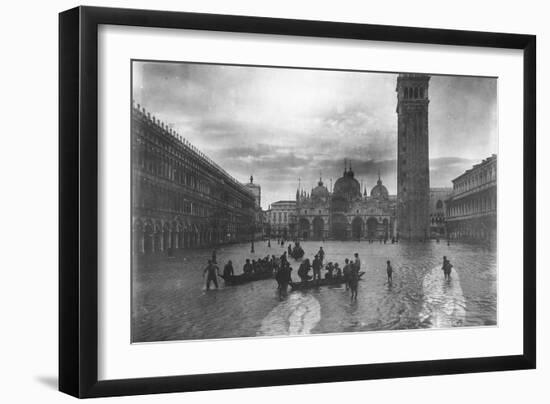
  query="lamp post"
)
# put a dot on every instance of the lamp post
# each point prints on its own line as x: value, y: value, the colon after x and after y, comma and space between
x: 252, y: 231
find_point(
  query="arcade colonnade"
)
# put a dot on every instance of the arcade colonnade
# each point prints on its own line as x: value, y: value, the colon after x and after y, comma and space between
x: 341, y: 227
x: 180, y: 197
x: 150, y: 236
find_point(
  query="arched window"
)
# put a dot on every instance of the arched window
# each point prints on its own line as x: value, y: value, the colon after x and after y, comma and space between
x: 421, y: 92
x: 439, y: 204
x: 416, y: 92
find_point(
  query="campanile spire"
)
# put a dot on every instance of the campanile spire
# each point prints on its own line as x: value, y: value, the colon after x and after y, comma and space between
x: 413, y: 175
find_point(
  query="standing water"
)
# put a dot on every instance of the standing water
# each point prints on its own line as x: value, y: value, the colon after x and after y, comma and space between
x: 170, y: 301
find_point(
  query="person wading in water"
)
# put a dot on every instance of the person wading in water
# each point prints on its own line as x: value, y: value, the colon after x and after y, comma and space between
x: 354, y: 281
x: 228, y: 270
x: 283, y: 279
x: 211, y: 271
x: 321, y: 254
x: 447, y: 268
x: 347, y: 273
x: 317, y: 268
x: 357, y: 263
x: 389, y: 271
x: 247, y: 267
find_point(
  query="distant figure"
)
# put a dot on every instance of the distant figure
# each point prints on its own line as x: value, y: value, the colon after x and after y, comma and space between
x: 303, y: 271
x: 269, y: 243
x: 389, y: 271
x: 317, y: 264
x: 357, y: 263
x: 283, y: 259
x: 448, y: 242
x: 337, y: 271
x: 275, y: 260
x: 354, y: 282
x: 228, y: 269
x: 330, y: 271
x: 247, y: 268
x: 289, y: 249
x: 321, y: 254
x: 283, y: 278
x: 347, y: 273
x: 447, y: 268
x: 211, y: 271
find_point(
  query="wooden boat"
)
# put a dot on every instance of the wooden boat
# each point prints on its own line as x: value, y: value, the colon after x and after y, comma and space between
x: 245, y: 278
x: 318, y: 283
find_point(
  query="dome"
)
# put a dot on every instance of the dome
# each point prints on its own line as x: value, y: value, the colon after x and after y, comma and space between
x: 379, y: 191
x: 320, y: 192
x: 347, y: 187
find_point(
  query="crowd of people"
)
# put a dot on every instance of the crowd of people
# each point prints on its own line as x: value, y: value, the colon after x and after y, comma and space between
x: 349, y: 274
x: 266, y: 265
x: 260, y: 266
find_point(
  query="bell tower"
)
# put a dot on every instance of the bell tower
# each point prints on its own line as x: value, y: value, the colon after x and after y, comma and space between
x: 413, y: 166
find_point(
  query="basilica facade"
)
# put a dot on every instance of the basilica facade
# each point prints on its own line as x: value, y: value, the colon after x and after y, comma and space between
x: 346, y: 213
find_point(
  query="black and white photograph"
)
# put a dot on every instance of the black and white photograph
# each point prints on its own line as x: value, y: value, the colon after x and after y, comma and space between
x: 279, y: 201
x: 275, y: 202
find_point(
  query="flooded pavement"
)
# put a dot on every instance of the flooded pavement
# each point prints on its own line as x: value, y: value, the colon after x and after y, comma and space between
x: 170, y: 301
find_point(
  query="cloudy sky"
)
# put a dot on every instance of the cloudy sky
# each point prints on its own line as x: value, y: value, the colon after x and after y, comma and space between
x: 283, y: 124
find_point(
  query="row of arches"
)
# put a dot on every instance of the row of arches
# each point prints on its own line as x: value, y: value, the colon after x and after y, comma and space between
x: 341, y: 229
x: 151, y: 236
x: 474, y: 229
x: 413, y: 92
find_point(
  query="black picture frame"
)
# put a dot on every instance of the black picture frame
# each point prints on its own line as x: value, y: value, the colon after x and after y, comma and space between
x: 78, y: 200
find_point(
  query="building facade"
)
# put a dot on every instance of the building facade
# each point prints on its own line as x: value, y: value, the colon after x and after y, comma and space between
x: 278, y: 219
x: 345, y: 213
x: 181, y: 198
x: 472, y: 206
x: 413, y: 171
x: 438, y: 214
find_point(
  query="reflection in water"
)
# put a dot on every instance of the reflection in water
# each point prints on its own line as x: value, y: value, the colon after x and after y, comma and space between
x: 444, y: 304
x: 170, y: 301
x: 295, y: 316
